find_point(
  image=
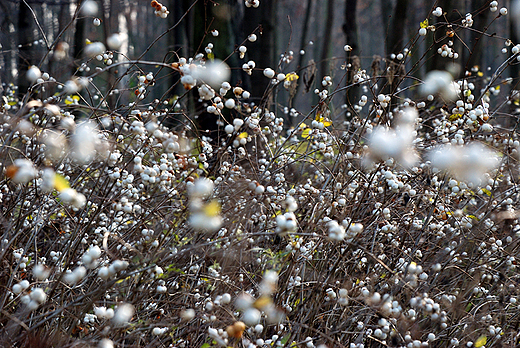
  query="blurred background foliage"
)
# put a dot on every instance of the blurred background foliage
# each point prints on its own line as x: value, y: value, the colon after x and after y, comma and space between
x: 315, y: 31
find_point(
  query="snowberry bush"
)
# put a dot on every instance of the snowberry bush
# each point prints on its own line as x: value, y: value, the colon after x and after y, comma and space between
x: 388, y: 221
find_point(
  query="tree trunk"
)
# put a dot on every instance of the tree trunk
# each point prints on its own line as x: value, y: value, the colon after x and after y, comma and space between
x: 327, y: 40
x: 480, y: 23
x: 79, y: 39
x: 55, y: 64
x: 303, y: 40
x: 26, y: 37
x: 262, y: 51
x: 303, y: 43
x: 394, y: 45
x: 112, y: 28
x: 436, y: 62
x: 395, y: 41
x: 351, y: 35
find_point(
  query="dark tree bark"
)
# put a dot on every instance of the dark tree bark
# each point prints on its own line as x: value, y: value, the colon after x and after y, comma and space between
x: 262, y: 51
x: 476, y: 39
x: 26, y: 55
x: 327, y: 40
x: 395, y: 40
x: 8, y: 42
x: 351, y: 35
x: 112, y: 28
x: 514, y: 68
x: 79, y: 38
x: 57, y: 63
x: 175, y: 41
x: 350, y: 25
x: 209, y: 16
x: 436, y: 62
x: 303, y: 43
x: 303, y: 40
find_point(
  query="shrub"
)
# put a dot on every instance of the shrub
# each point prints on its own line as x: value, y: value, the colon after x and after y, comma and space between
x: 389, y: 221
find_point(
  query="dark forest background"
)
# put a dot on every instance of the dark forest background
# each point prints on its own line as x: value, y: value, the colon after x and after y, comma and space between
x: 52, y: 35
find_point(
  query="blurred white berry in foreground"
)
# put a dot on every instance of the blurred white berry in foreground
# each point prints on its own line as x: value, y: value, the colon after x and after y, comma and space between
x: 201, y: 188
x: 41, y: 272
x: 84, y: 142
x: 89, y: 8
x: 106, y: 343
x: 251, y: 316
x: 336, y: 231
x: 123, y: 314
x: 213, y: 73
x: 21, y: 171
x: 385, y: 143
x: 95, y: 48
x: 468, y: 163
x: 115, y: 41
x: 440, y: 82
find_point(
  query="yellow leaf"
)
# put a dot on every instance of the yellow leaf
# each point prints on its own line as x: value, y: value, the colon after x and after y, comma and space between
x: 242, y: 135
x: 72, y: 99
x: 424, y: 24
x: 88, y: 42
x: 122, y: 280
x: 262, y: 302
x: 306, y: 132
x: 454, y: 117
x: 480, y: 74
x: 323, y: 120
x: 473, y: 217
x: 291, y: 77
x: 481, y: 341
x: 212, y: 208
x: 486, y: 191
x: 60, y: 183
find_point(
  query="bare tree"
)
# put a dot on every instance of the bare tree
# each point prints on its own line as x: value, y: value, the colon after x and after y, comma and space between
x: 262, y: 21
x: 351, y: 34
x: 476, y: 38
x: 26, y: 54
x: 327, y: 40
x: 395, y: 40
x: 79, y: 38
x: 395, y: 44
